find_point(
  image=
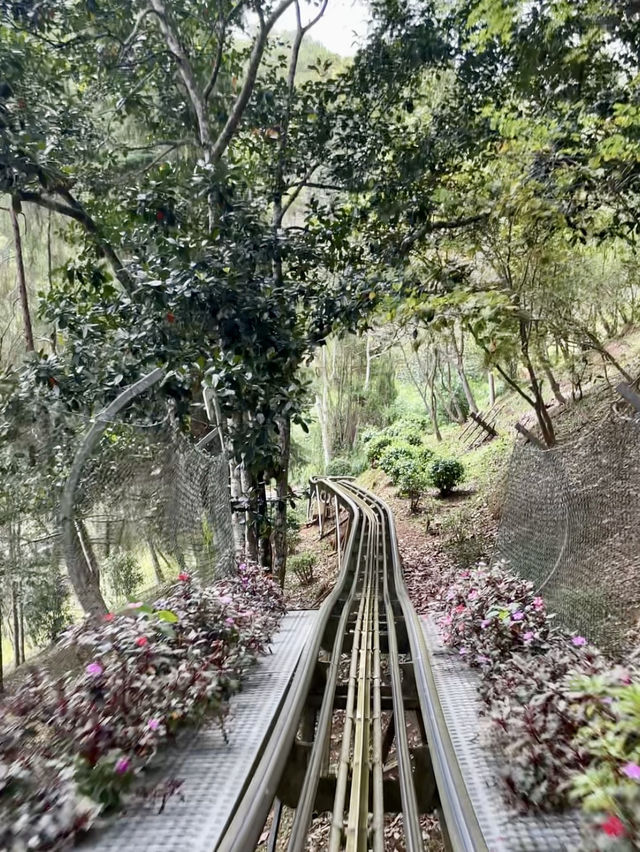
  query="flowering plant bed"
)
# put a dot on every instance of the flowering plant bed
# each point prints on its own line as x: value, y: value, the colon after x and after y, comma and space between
x: 566, y: 718
x: 70, y: 749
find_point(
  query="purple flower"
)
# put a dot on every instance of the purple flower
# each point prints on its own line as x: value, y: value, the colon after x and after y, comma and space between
x: 229, y: 622
x: 485, y: 623
x: 482, y: 659
x: 242, y: 566
x: 632, y: 770
x: 153, y: 724
x: 462, y: 651
x: 517, y: 616
x: 473, y: 594
x: 538, y: 603
x: 528, y: 636
x: 578, y: 641
x: 122, y: 765
x: 225, y: 599
x: 94, y: 669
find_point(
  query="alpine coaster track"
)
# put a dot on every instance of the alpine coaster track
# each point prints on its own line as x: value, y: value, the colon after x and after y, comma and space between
x: 364, y: 677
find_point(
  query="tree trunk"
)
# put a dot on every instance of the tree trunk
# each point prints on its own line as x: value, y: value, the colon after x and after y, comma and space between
x: 264, y: 540
x: 89, y: 552
x: 367, y: 374
x: 541, y: 351
x: 251, y: 517
x: 459, y: 350
x: 492, y: 388
x: 544, y: 421
x: 22, y: 282
x: 83, y: 579
x: 23, y: 654
x: 157, y: 570
x: 16, y: 624
x: 280, y: 514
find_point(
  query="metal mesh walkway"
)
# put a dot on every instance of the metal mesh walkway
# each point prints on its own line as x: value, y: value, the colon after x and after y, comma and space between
x: 214, y: 773
x: 504, y: 829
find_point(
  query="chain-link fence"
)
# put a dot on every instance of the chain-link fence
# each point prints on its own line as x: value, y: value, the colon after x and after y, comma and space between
x: 148, y: 504
x: 571, y: 525
x: 149, y: 494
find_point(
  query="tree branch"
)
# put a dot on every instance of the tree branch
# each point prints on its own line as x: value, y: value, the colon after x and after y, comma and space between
x: 226, y: 20
x: 184, y: 69
x: 447, y: 225
x: 74, y: 210
x: 227, y: 132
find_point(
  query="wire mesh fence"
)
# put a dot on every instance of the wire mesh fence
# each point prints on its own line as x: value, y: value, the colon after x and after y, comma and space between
x: 149, y: 503
x: 571, y: 525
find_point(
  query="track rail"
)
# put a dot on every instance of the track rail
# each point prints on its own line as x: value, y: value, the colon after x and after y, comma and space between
x: 365, y: 679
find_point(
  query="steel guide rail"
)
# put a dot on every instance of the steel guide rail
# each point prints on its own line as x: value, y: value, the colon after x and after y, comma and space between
x: 367, y: 625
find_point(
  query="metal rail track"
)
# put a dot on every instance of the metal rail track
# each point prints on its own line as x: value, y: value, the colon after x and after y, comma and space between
x: 365, y: 679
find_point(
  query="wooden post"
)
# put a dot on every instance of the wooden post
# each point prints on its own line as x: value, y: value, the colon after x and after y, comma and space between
x: 487, y: 428
x: 629, y: 394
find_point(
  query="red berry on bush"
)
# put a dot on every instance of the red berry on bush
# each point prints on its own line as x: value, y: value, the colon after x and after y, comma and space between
x: 160, y: 216
x: 171, y: 317
x: 614, y: 827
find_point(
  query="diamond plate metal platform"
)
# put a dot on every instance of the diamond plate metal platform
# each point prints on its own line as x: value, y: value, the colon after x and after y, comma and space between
x: 214, y: 772
x: 504, y: 829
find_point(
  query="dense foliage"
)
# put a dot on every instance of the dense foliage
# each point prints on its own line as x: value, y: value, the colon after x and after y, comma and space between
x: 565, y: 718
x: 71, y: 748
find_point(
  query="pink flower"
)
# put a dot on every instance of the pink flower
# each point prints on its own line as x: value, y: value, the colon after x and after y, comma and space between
x: 481, y: 658
x: 122, y: 765
x: 625, y: 679
x: 517, y: 616
x: 538, y: 603
x: 485, y: 623
x: 528, y: 636
x: 463, y: 575
x: 153, y: 724
x: 242, y: 566
x: 614, y: 827
x: 632, y: 770
x: 225, y: 599
x: 184, y: 577
x: 473, y: 594
x: 446, y: 620
x: 462, y: 651
x: 136, y: 605
x: 109, y: 616
x: 578, y: 641
x: 459, y: 609
x: 141, y: 641
x: 229, y: 622
x: 94, y: 669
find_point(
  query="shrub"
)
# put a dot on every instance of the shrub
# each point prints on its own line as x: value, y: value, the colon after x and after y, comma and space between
x: 123, y: 574
x: 69, y: 749
x: 413, y: 481
x: 609, y: 789
x: 498, y: 625
x: 367, y: 434
x: 376, y: 446
x: 302, y: 566
x: 396, y: 458
x: 339, y: 466
x: 445, y: 474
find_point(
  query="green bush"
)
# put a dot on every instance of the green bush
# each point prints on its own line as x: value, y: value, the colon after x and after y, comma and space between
x: 302, y: 566
x: 339, y: 467
x: 123, y: 574
x: 413, y: 482
x: 368, y: 433
x: 397, y: 458
x: 376, y: 446
x: 445, y: 474
x: 425, y: 456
